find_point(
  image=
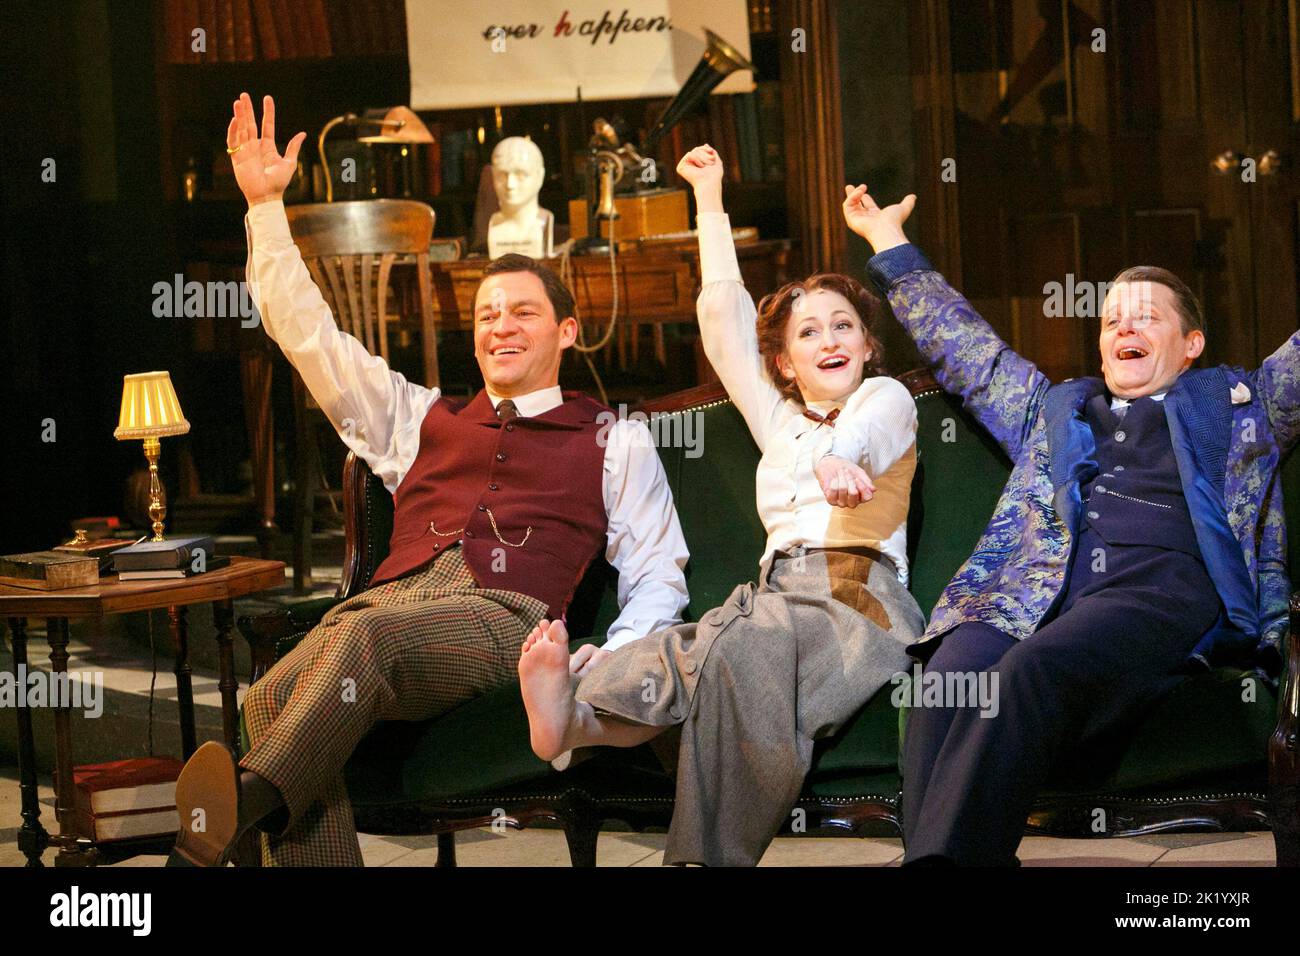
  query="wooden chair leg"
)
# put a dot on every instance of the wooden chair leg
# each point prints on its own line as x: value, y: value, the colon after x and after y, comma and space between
x: 305, y: 496
x: 446, y: 849
x: 255, y: 377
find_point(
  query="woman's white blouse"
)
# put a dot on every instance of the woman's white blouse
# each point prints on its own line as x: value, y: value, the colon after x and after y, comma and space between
x: 876, y: 427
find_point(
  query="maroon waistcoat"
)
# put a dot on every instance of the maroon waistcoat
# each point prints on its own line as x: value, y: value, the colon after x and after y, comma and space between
x: 478, y: 481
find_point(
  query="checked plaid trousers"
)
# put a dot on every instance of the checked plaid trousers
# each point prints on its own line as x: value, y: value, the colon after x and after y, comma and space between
x: 409, y: 649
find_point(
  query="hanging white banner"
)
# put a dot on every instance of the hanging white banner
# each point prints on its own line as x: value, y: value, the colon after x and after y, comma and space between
x: 540, y: 51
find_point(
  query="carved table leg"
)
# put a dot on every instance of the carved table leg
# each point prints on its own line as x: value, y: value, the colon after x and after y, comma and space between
x: 72, y: 852
x: 178, y: 618
x: 223, y: 614
x: 32, y: 837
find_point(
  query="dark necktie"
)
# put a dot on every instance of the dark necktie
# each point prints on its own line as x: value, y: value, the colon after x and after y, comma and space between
x: 506, y: 410
x: 822, y: 419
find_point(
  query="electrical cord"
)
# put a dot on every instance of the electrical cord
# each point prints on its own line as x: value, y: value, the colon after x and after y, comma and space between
x: 566, y: 273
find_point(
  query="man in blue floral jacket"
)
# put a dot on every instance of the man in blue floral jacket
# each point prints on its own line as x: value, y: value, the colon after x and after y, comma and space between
x: 1140, y: 536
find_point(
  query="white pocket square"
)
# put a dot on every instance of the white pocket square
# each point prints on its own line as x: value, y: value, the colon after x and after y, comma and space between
x: 1240, y: 394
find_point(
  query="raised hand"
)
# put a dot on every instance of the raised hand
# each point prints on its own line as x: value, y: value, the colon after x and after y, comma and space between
x: 844, y: 484
x: 262, y: 173
x: 883, y: 228
x: 702, y: 168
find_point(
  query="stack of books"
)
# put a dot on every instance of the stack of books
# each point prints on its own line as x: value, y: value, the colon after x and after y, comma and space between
x: 171, y: 558
x: 124, y: 799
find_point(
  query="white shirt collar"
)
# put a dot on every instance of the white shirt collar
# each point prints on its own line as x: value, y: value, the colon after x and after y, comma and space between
x: 1122, y: 402
x: 533, y: 403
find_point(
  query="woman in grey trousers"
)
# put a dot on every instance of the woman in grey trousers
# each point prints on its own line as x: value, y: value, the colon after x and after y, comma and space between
x: 791, y: 658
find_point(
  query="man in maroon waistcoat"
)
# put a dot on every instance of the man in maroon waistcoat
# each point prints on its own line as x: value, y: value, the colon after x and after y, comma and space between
x: 500, y: 505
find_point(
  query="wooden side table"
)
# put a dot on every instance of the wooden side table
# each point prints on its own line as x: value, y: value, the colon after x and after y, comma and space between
x: 242, y: 576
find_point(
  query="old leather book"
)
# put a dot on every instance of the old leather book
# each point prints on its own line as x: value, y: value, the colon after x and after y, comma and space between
x: 48, y: 570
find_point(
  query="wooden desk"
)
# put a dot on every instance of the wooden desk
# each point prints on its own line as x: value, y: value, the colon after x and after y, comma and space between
x: 658, y: 282
x: 242, y: 576
x: 657, y: 285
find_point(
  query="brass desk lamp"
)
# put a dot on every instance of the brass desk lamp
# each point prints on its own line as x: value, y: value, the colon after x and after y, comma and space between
x: 397, y: 124
x: 150, y: 411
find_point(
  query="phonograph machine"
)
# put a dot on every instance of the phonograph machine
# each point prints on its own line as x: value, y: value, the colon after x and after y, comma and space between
x: 624, y: 196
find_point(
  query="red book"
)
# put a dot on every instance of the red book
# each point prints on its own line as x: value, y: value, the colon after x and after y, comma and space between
x: 225, y: 31
x: 267, y: 40
x: 433, y: 161
x: 190, y: 21
x: 207, y: 20
x: 243, y: 31
x: 126, y: 786
x: 286, y: 30
x: 320, y: 28
x: 176, y: 35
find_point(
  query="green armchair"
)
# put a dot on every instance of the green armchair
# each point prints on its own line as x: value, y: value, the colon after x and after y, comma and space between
x: 1219, y: 753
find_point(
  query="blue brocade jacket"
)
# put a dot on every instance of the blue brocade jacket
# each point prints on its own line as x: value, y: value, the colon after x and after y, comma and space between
x: 1228, y: 448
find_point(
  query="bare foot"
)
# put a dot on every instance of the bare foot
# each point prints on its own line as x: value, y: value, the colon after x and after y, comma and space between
x: 544, y: 681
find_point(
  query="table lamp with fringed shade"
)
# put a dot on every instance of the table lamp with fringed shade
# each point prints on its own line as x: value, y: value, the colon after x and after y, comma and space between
x: 150, y: 411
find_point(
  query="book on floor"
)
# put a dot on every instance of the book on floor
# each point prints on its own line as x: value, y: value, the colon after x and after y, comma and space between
x: 122, y: 799
x: 125, y: 826
x: 137, y: 783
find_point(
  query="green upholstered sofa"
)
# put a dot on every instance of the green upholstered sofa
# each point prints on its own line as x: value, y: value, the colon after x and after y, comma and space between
x: 1219, y: 753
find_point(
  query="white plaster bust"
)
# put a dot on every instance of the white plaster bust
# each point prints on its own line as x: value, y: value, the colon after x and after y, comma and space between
x: 520, y: 225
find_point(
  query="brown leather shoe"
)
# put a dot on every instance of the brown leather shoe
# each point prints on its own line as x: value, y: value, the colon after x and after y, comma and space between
x: 209, y: 782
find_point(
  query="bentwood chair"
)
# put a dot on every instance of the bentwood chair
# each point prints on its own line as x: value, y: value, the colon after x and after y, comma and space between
x: 350, y: 249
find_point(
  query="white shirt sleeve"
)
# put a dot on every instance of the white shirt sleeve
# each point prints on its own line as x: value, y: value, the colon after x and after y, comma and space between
x: 729, y: 331
x: 645, y: 541
x: 877, y: 425
x: 375, y: 410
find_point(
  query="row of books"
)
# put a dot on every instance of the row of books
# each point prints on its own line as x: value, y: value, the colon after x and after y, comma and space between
x: 246, y: 30
x: 82, y: 563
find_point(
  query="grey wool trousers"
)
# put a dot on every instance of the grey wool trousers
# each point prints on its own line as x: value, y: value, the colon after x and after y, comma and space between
x: 753, y: 684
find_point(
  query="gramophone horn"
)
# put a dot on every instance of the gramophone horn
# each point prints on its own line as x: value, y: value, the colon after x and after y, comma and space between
x: 719, y: 61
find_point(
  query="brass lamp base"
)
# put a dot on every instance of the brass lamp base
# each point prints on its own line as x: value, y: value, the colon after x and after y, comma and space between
x: 157, y: 510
